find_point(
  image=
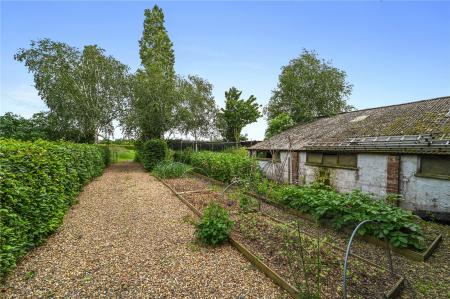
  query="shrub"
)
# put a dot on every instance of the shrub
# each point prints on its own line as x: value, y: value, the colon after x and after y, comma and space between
x: 38, y: 182
x: 152, y: 152
x: 215, y: 225
x: 223, y: 166
x: 170, y: 169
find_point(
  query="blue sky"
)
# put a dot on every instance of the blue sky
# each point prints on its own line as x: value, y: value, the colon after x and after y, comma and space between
x: 393, y: 52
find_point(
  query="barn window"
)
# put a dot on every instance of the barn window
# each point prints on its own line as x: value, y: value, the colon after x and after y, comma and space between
x: 267, y: 155
x: 332, y: 159
x: 347, y: 160
x: 435, y: 166
x: 315, y: 158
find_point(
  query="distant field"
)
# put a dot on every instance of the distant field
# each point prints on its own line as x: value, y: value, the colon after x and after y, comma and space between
x: 122, y: 154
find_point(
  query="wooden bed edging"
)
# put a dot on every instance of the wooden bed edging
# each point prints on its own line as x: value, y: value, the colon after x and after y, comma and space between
x: 277, y: 279
x: 265, y: 269
x: 408, y: 253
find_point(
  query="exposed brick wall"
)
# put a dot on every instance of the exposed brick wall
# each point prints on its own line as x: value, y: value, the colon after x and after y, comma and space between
x: 393, y: 174
x: 294, y: 167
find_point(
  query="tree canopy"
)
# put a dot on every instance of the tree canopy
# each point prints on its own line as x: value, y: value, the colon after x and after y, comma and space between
x: 309, y: 87
x: 237, y: 114
x: 83, y: 90
x: 152, y: 108
x: 197, y: 111
x: 278, y: 124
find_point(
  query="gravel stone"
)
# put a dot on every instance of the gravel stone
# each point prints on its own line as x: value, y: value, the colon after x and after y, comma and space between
x: 129, y: 237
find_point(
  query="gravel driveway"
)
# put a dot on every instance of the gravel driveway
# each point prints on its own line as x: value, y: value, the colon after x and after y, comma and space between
x: 128, y: 237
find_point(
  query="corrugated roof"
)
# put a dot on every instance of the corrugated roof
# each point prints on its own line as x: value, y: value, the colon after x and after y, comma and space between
x: 414, y: 118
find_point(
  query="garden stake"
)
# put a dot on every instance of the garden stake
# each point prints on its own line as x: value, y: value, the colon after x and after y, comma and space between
x: 344, y: 283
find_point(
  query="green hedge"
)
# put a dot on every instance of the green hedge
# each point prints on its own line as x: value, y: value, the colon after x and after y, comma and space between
x: 219, y: 165
x: 151, y: 152
x: 38, y: 183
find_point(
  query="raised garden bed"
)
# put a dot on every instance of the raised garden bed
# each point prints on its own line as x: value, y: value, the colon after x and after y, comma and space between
x: 433, y: 241
x: 261, y: 236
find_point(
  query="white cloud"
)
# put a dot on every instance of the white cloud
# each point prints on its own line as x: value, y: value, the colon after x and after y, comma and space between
x: 23, y: 100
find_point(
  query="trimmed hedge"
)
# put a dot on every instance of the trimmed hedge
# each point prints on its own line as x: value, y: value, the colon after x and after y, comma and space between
x: 38, y: 183
x: 218, y: 165
x: 151, y: 152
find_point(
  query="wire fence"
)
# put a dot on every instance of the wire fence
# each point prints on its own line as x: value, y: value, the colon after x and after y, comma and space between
x: 215, y: 146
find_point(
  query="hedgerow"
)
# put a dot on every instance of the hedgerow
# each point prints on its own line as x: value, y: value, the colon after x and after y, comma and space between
x: 222, y: 166
x: 38, y: 183
x: 152, y: 152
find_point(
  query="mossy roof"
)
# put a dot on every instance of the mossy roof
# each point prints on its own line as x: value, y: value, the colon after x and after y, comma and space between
x: 415, y: 118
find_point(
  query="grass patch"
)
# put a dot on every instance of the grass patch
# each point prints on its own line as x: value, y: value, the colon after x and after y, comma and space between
x: 122, y: 154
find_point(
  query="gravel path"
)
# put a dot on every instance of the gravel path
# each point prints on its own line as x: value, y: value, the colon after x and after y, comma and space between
x: 128, y: 237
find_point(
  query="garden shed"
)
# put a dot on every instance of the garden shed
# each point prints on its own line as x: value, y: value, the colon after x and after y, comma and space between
x: 399, y: 149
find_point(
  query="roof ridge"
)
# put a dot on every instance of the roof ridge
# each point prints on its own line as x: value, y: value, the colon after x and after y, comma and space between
x: 393, y: 105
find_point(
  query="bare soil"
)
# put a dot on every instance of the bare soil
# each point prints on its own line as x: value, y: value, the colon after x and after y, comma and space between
x: 430, y: 279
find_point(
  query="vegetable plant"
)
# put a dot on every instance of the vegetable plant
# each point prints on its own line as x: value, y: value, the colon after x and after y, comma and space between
x: 215, y: 225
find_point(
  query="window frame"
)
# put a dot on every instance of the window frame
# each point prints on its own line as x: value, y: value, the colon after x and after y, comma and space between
x: 276, y: 156
x: 420, y: 173
x: 338, y: 165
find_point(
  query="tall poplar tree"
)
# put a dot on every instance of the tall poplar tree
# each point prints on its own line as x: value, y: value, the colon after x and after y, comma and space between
x: 154, y: 101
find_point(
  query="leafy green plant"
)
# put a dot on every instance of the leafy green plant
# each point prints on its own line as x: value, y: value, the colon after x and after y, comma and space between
x: 38, y: 183
x: 152, y: 152
x: 223, y: 166
x: 215, y: 225
x: 346, y: 210
x: 247, y: 204
x: 170, y: 169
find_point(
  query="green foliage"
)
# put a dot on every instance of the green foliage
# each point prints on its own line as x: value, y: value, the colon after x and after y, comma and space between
x: 309, y: 87
x: 155, y: 47
x: 197, y: 112
x: 346, y: 210
x: 17, y: 127
x: 120, y: 153
x: 38, y: 182
x: 183, y: 156
x: 106, y: 154
x: 84, y: 90
x: 278, y: 124
x: 170, y: 169
x: 247, y: 204
x: 222, y: 166
x: 42, y: 125
x: 215, y: 225
x: 152, y: 152
x: 237, y: 114
x: 151, y: 110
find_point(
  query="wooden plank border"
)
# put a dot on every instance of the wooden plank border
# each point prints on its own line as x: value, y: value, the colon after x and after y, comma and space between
x: 277, y: 279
